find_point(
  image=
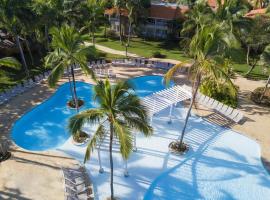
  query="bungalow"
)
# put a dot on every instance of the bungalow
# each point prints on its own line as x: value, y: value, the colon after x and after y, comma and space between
x: 159, y: 23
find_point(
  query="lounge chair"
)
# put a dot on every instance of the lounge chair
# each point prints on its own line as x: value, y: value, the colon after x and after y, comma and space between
x: 238, y: 117
x: 229, y: 111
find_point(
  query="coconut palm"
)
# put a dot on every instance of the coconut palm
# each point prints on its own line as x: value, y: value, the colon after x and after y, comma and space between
x: 69, y: 51
x: 96, y: 16
x: 119, y: 4
x: 208, y: 47
x: 265, y: 61
x: 10, y: 62
x: 254, y: 42
x: 10, y: 21
x: 121, y: 110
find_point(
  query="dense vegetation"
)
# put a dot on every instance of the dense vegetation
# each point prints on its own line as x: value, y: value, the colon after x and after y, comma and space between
x: 27, y: 24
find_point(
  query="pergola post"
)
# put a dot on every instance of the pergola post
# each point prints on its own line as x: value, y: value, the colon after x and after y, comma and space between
x: 101, y: 170
x: 135, y: 143
x: 170, y: 114
x: 176, y: 100
x: 126, y: 170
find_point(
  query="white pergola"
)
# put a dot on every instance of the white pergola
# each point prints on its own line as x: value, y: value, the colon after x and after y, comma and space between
x: 154, y: 104
x: 164, y: 99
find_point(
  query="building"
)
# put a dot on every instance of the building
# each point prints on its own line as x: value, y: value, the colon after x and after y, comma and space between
x: 160, y: 20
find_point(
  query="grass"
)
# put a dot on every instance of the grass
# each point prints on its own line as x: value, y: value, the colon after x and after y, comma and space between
x: 171, y: 50
x: 145, y: 48
x: 256, y: 73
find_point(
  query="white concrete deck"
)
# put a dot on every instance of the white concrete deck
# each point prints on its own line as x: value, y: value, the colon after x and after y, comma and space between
x: 220, y: 162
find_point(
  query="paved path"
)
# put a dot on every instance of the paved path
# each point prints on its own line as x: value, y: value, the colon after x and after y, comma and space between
x: 123, y: 53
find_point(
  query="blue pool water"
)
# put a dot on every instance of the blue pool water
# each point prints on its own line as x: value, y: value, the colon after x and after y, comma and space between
x: 45, y: 126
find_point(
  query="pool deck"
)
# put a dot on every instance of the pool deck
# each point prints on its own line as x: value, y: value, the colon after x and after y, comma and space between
x: 45, y: 169
x: 233, y: 159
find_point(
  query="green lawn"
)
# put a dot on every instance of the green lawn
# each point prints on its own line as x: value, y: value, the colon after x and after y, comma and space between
x: 145, y: 48
x: 256, y: 74
x: 171, y: 50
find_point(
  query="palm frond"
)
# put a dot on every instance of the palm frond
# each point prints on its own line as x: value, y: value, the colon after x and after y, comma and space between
x: 97, y: 137
x: 56, y: 74
x: 123, y: 133
x: 92, y: 116
x: 171, y: 72
x: 10, y: 62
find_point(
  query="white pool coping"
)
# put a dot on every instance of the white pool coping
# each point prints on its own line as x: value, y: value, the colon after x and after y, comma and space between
x: 221, y: 164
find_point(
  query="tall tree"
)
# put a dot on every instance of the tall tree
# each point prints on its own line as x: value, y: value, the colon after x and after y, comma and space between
x: 69, y: 51
x: 10, y: 17
x: 120, y: 112
x: 208, y: 47
x: 265, y: 61
x: 95, y: 16
x: 120, y: 5
x: 254, y: 42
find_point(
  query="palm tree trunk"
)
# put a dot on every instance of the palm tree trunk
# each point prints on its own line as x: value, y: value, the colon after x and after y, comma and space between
x: 251, y: 68
x: 248, y: 52
x: 22, y: 55
x: 120, y: 26
x: 105, y: 31
x: 47, y: 37
x: 93, y: 38
x: 29, y: 51
x: 74, y: 89
x: 111, y: 160
x: 265, y: 88
x: 196, y: 85
x: 70, y: 85
x: 129, y: 32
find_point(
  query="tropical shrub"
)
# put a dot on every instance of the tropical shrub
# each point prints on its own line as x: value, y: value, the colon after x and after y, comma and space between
x: 157, y: 54
x: 218, y: 92
x: 80, y: 137
x: 256, y: 96
x: 112, y: 34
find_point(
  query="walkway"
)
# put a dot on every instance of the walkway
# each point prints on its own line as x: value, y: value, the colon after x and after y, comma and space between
x: 123, y: 53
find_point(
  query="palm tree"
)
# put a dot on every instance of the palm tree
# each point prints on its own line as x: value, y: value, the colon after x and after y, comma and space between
x: 69, y: 50
x: 130, y: 8
x: 10, y: 21
x: 119, y: 4
x: 121, y: 110
x: 208, y: 47
x: 9, y: 62
x: 265, y: 61
x: 255, y: 42
x: 96, y: 14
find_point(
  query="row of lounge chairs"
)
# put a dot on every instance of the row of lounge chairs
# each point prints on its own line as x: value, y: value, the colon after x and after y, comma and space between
x: 22, y: 87
x: 77, y: 184
x: 98, y: 63
x: 4, y: 153
x: 233, y: 114
x: 103, y: 73
x: 145, y: 63
x: 227, y: 111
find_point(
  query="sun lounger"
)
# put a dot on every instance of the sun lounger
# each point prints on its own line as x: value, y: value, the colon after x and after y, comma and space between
x: 224, y: 109
x: 219, y: 107
x: 238, y: 117
x: 229, y: 111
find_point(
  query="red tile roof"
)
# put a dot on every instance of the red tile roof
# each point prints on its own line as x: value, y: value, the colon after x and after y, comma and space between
x: 168, y: 12
x: 158, y: 11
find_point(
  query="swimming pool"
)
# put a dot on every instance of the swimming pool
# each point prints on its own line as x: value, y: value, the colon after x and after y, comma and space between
x: 45, y: 126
